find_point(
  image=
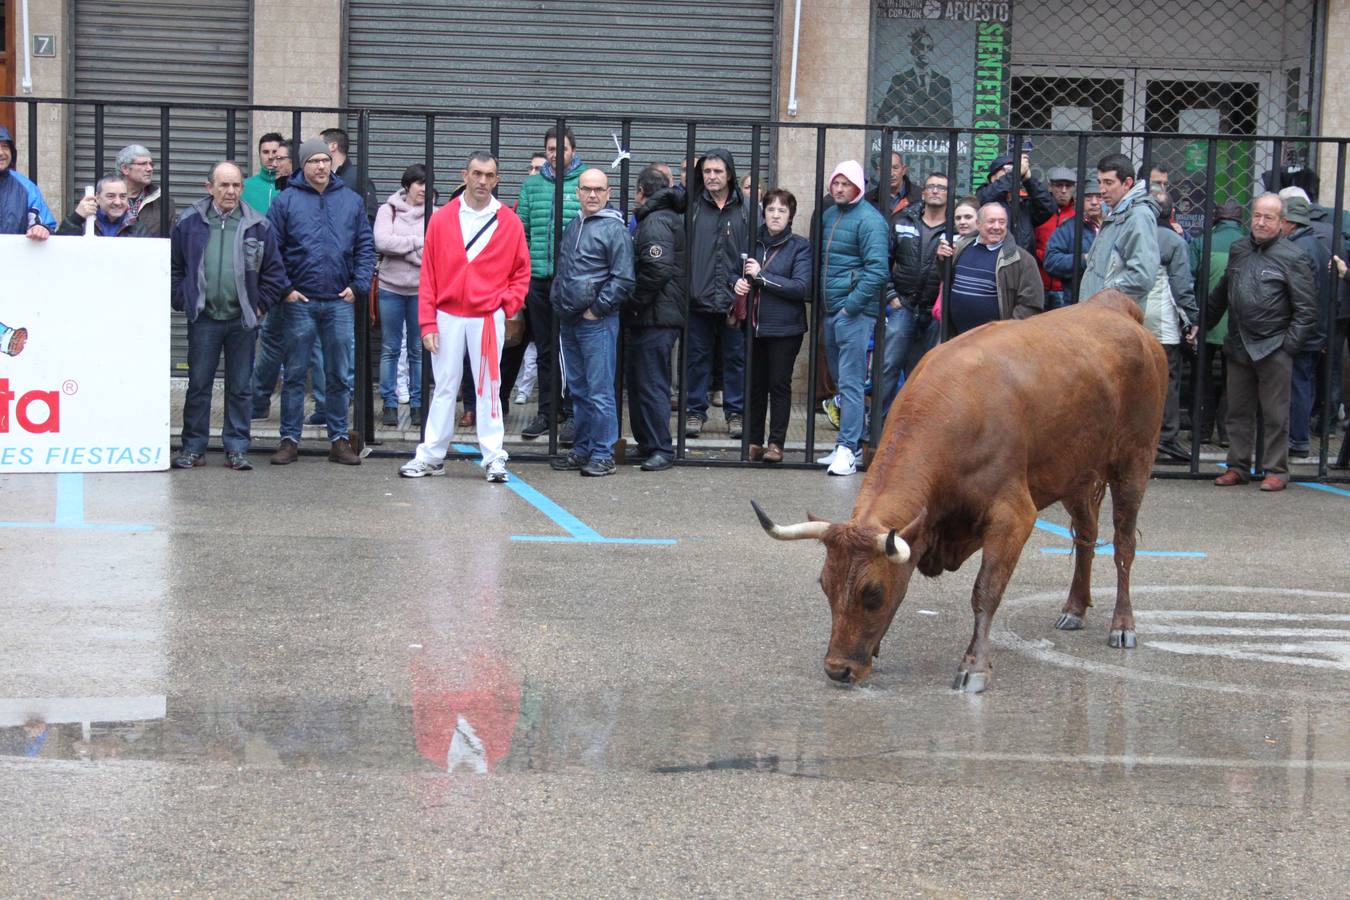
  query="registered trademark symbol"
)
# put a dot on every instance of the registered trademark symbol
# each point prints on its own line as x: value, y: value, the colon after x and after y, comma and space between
x: 70, y: 386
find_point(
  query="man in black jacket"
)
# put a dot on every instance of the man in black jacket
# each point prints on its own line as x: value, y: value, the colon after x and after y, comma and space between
x: 1034, y: 203
x: 718, y: 211
x: 910, y: 327
x: 1271, y: 299
x: 339, y: 145
x: 655, y: 315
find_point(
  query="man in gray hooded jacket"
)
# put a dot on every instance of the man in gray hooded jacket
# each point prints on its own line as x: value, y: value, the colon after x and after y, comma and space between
x: 1125, y: 253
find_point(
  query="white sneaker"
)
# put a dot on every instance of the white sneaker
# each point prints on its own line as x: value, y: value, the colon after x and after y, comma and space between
x: 843, y: 463
x: 828, y: 458
x: 520, y: 399
x: 417, y: 469
x: 496, y: 471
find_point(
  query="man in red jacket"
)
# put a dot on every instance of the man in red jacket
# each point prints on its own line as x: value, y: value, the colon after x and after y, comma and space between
x: 475, y: 272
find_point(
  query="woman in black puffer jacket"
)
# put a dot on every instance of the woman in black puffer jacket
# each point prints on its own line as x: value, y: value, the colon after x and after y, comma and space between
x: 777, y: 281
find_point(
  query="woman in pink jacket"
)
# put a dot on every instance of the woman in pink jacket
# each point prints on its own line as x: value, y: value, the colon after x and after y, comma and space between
x: 398, y: 240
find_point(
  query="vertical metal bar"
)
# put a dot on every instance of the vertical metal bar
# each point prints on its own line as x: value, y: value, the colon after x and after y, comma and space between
x: 1329, y: 323
x: 953, y: 161
x: 365, y: 395
x: 230, y: 137
x: 625, y: 138
x: 559, y: 173
x: 817, y: 311
x: 429, y: 161
x: 165, y: 220
x: 690, y: 135
x: 32, y: 140
x: 1146, y: 161
x: 1202, y: 376
x: 495, y: 139
x: 751, y: 233
x: 1276, y: 163
x: 99, y: 149
x: 1015, y: 201
x: 886, y: 207
x: 296, y: 137
x: 1077, y: 245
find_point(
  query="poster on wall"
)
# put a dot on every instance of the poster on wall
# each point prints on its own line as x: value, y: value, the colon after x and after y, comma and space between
x: 941, y: 65
x: 84, y: 345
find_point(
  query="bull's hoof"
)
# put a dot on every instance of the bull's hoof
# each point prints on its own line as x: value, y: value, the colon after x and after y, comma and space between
x: 1123, y: 638
x: 1069, y: 622
x: 971, y: 682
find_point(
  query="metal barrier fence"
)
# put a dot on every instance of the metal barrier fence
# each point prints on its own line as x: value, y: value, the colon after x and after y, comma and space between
x: 855, y: 139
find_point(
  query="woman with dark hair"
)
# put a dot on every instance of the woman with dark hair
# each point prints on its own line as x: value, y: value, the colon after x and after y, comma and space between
x: 398, y: 240
x: 773, y: 293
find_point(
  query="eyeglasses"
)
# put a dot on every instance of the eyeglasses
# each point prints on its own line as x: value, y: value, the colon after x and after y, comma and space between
x: 935, y: 188
x: 591, y: 190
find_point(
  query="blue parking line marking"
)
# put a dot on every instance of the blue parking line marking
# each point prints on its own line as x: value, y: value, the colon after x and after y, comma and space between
x: 69, y: 500
x: 1342, y: 492
x: 1105, y: 547
x: 578, y: 532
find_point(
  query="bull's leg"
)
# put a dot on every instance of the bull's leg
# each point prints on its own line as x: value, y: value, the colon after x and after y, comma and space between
x: 1003, y: 544
x: 1084, y: 511
x: 1126, y: 496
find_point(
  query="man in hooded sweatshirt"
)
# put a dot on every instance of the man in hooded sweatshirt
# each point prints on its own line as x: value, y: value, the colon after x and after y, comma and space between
x: 475, y: 273
x: 594, y: 279
x: 854, y: 271
x: 1125, y: 254
x: 717, y: 208
x: 22, y: 209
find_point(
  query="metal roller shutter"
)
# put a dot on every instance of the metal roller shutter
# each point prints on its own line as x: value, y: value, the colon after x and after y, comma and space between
x: 151, y: 53
x: 681, y: 59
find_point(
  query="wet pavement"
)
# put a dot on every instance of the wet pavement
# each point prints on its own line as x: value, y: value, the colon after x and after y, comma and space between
x: 323, y: 679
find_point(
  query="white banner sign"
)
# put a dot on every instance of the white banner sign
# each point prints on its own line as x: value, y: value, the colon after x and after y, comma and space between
x: 84, y: 355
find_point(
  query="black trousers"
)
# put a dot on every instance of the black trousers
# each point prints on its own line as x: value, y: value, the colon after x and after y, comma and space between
x: 539, y: 328
x: 771, y: 387
x: 1171, y: 426
x: 647, y: 379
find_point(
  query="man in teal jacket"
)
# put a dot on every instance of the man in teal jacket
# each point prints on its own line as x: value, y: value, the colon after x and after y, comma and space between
x: 535, y: 209
x: 261, y: 188
x: 854, y: 271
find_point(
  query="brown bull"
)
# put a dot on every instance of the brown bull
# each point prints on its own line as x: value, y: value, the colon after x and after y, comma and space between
x: 993, y: 426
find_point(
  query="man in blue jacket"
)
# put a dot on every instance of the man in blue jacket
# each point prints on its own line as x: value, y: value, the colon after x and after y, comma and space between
x: 22, y: 209
x: 329, y: 254
x: 225, y: 273
x: 854, y: 273
x: 593, y: 280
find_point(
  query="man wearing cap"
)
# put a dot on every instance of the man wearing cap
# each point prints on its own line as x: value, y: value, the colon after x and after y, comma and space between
x: 1063, y: 182
x: 22, y: 209
x: 1058, y: 262
x: 1034, y: 203
x: 1315, y: 243
x: 329, y: 254
x: 1271, y: 298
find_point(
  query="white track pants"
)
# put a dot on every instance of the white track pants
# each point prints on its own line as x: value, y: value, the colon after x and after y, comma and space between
x: 458, y: 334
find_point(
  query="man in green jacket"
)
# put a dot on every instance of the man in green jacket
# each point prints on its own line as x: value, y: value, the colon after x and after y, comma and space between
x: 1227, y: 230
x: 535, y: 209
x: 261, y: 188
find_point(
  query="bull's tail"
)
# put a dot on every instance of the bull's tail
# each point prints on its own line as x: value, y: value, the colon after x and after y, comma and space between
x: 1120, y: 302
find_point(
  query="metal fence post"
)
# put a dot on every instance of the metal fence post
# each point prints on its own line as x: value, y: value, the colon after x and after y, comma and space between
x: 625, y: 138
x: 748, y: 326
x: 364, y: 399
x: 33, y: 140
x: 230, y: 138
x: 681, y: 442
x: 1333, y: 336
x: 818, y: 298
x: 165, y: 214
x: 428, y: 205
x: 559, y: 175
x: 1202, y: 376
x: 887, y: 210
x: 99, y: 147
x: 1077, y: 246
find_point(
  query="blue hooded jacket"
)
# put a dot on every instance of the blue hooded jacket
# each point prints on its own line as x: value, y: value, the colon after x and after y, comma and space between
x: 21, y: 203
x: 595, y: 267
x: 325, y: 239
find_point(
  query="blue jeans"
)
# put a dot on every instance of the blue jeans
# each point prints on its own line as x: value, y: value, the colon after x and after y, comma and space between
x: 702, y: 338
x: 907, y: 340
x: 846, y: 353
x: 1302, y: 390
x: 271, y: 352
x: 397, y: 312
x: 333, y: 322
x: 590, y: 349
x: 206, y: 338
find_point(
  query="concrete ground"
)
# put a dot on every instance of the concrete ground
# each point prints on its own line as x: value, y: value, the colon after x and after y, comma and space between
x: 253, y: 684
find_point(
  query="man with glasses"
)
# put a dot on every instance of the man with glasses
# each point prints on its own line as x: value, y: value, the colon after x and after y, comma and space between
x: 145, y: 199
x: 594, y: 278
x: 329, y: 254
x: 910, y: 326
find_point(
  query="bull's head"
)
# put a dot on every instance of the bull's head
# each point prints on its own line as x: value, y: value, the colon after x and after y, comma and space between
x: 865, y: 576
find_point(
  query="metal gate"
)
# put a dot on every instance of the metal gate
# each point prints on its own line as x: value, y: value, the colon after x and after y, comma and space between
x: 135, y: 56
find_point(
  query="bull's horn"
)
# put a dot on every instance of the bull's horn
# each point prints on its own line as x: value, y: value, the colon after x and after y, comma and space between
x: 894, y: 547
x: 799, y: 532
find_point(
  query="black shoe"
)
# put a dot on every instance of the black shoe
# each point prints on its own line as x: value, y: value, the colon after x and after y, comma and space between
x: 598, y: 468
x: 389, y: 418
x: 189, y: 460
x: 657, y: 462
x: 238, y: 461
x: 1174, y: 451
x: 415, y: 416
x: 538, y: 425
x: 569, y: 463
x: 567, y: 433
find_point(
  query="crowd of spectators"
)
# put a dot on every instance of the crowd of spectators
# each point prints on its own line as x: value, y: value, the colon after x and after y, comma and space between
x: 267, y: 269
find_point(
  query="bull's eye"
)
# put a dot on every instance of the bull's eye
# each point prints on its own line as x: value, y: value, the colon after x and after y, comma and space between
x: 871, y: 597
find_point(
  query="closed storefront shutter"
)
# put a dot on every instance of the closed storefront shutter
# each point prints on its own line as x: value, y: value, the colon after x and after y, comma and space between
x: 677, y: 60
x: 151, y: 53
